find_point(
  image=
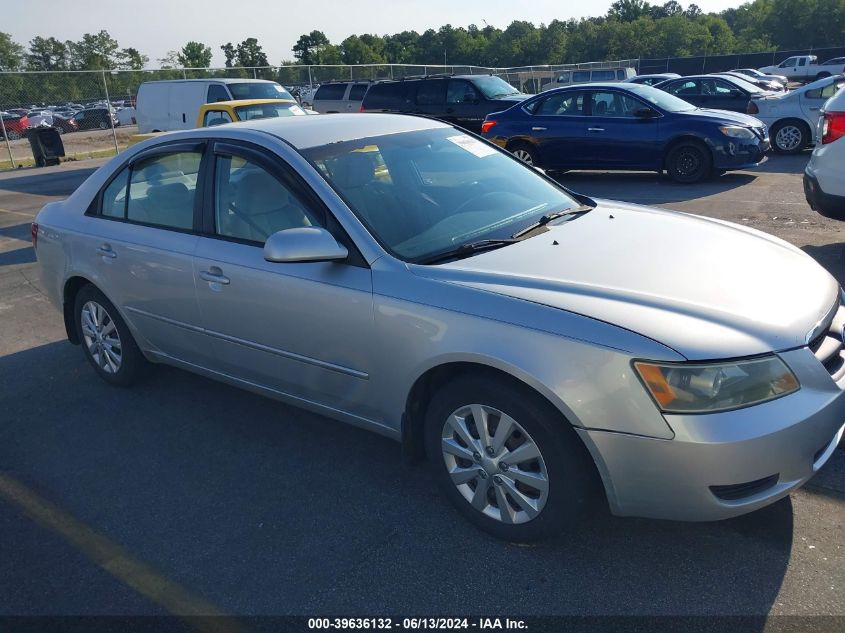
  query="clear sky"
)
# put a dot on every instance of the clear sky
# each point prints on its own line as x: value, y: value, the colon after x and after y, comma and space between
x: 157, y: 26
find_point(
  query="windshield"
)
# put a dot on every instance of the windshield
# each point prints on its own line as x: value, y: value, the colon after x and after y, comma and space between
x: 426, y: 192
x: 663, y: 100
x: 268, y: 111
x: 494, y: 87
x: 258, y: 90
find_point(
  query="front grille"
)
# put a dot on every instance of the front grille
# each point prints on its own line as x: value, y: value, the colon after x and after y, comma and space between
x: 748, y: 489
x: 828, y: 346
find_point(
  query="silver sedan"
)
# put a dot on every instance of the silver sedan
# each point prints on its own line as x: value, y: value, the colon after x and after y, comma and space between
x: 539, y: 347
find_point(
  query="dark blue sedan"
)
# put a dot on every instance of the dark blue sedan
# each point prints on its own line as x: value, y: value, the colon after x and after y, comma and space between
x: 630, y: 127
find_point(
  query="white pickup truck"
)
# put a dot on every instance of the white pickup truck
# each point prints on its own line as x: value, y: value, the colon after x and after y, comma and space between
x: 806, y: 68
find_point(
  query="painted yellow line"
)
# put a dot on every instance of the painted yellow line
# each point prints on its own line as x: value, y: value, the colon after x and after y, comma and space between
x: 117, y: 561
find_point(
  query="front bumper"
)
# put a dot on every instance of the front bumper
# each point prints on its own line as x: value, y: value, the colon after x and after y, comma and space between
x: 725, y: 464
x: 737, y: 154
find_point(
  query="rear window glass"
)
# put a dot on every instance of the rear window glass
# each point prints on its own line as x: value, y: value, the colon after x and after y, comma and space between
x: 604, y: 75
x: 388, y: 94
x: 357, y: 92
x: 330, y: 91
x: 580, y: 76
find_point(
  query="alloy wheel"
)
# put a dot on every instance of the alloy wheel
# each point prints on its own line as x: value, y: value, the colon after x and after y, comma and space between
x: 495, y: 464
x: 524, y: 156
x: 788, y: 137
x: 101, y: 337
x: 688, y: 162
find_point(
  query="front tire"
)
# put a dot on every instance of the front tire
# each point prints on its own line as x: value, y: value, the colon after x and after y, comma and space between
x: 789, y: 137
x: 506, y: 459
x: 689, y: 162
x: 106, y: 340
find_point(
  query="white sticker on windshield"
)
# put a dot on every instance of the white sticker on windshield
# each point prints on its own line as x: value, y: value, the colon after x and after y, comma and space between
x: 473, y: 146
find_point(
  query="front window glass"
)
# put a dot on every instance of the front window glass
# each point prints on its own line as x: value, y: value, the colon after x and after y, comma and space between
x: 259, y: 90
x: 663, y: 100
x: 460, y: 91
x: 426, y: 192
x: 614, y: 104
x: 252, y: 204
x: 162, y: 189
x: 216, y: 93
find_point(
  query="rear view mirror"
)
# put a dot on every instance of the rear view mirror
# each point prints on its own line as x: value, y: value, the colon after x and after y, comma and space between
x: 304, y: 244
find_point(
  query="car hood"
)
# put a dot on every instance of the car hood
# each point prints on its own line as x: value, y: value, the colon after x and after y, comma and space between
x: 706, y: 288
x: 722, y: 116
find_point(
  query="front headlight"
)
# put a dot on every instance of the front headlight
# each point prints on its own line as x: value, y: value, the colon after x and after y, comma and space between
x: 735, y: 131
x: 711, y: 387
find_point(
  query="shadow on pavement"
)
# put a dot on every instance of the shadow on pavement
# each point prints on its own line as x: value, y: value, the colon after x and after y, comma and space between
x: 50, y: 182
x: 25, y: 255
x: 265, y: 509
x: 831, y: 256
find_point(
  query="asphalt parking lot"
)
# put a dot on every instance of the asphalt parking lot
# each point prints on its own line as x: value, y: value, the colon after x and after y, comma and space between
x: 185, y: 496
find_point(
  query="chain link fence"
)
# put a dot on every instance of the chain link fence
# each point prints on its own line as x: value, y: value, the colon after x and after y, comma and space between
x: 107, y: 98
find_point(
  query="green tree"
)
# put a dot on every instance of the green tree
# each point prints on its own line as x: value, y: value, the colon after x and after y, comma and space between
x: 308, y: 47
x: 629, y: 10
x: 11, y: 53
x: 229, y: 53
x: 194, y: 55
x: 131, y: 59
x: 249, y: 54
x: 47, y: 54
x: 94, y: 52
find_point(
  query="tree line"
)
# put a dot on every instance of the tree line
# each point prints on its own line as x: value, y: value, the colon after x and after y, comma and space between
x: 630, y: 29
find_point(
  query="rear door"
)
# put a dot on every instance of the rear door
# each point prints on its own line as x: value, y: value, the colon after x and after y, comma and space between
x: 687, y: 89
x: 558, y: 127
x: 431, y: 97
x: 301, y: 329
x: 140, y: 246
x: 615, y: 137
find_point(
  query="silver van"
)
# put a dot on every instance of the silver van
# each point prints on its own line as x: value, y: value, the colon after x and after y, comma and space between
x: 570, y: 77
x: 340, y: 96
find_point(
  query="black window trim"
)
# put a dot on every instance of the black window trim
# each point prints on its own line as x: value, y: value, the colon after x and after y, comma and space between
x: 588, y: 105
x: 95, y: 209
x: 277, y: 167
x: 540, y: 98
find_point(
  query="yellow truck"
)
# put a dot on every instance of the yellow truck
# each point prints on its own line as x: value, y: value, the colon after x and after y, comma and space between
x: 242, y: 110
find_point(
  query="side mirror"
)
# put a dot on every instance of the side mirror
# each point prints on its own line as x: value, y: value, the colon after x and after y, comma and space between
x: 305, y: 244
x: 645, y: 113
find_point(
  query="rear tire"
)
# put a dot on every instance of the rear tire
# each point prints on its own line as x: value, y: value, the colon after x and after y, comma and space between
x: 106, y: 340
x: 689, y: 162
x: 536, y: 472
x: 790, y: 136
x: 525, y: 153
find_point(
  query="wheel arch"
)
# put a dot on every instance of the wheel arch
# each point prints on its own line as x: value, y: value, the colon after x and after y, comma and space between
x: 435, y: 376
x: 71, y: 288
x: 685, y: 137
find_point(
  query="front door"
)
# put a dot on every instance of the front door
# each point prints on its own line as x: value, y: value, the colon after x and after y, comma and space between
x: 463, y: 105
x: 302, y: 329
x: 617, y: 138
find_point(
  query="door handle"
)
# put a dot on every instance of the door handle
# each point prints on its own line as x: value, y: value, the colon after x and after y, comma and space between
x: 214, y: 276
x: 538, y: 129
x: 106, y: 251
x: 595, y: 129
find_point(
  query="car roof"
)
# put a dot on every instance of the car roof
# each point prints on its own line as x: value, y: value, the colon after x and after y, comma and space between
x: 246, y: 102
x: 223, y: 80
x: 314, y: 131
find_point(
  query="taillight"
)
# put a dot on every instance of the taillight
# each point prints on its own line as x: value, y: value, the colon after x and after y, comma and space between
x: 752, y: 108
x: 485, y: 127
x: 33, y: 231
x: 361, y: 109
x: 833, y: 126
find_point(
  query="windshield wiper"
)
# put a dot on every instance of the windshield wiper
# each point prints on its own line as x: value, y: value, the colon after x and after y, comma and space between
x: 465, y: 250
x: 548, y: 217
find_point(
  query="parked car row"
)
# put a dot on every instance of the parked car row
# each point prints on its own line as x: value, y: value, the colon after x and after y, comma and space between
x: 18, y: 120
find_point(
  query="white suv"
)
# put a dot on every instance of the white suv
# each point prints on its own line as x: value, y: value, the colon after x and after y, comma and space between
x: 824, y: 177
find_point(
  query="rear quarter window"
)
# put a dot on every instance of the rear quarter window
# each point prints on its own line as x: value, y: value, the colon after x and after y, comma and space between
x: 357, y: 92
x: 330, y: 91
